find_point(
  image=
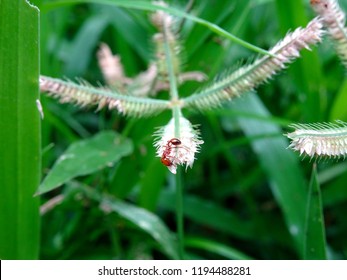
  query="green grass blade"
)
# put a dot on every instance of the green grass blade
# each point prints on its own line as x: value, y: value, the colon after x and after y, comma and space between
x: 85, y: 157
x: 334, y: 178
x: 19, y: 130
x: 281, y: 165
x: 148, y: 222
x: 81, y: 49
x: 151, y: 183
x: 307, y: 71
x: 147, y: 6
x: 338, y: 110
x: 129, y: 36
x: 198, y: 35
x: 145, y: 220
x: 216, y: 248
x: 315, y: 244
x: 202, y: 211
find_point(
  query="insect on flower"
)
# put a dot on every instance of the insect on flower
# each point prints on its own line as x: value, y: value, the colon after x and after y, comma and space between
x: 166, y: 159
x: 174, y: 151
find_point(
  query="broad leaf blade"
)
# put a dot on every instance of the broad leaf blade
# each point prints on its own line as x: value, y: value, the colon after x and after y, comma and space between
x: 315, y: 245
x: 85, y: 157
x: 19, y: 130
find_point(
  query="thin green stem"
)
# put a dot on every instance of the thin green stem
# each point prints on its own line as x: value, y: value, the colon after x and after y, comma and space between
x: 176, y: 111
x: 179, y: 212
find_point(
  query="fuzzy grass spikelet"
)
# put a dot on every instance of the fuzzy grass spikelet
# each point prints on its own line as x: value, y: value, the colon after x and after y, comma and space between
x: 334, y: 19
x: 248, y: 77
x: 166, y: 24
x: 182, y: 153
x: 84, y: 94
x: 320, y: 139
x: 112, y: 68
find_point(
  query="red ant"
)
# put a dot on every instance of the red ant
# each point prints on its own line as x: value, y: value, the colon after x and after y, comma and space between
x: 165, y: 158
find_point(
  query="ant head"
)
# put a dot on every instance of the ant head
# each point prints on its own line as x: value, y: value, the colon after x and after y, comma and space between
x: 175, y: 141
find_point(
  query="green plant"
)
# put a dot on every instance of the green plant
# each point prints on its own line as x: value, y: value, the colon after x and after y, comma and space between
x: 167, y: 71
x: 237, y: 209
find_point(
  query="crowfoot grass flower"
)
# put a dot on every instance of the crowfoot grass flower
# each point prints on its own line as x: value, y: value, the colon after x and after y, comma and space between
x: 320, y: 139
x: 176, y: 149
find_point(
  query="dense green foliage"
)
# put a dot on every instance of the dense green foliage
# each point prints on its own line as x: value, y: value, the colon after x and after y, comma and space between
x: 246, y: 195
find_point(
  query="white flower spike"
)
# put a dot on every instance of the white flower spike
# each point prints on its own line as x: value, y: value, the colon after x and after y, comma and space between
x: 180, y: 150
x: 320, y: 139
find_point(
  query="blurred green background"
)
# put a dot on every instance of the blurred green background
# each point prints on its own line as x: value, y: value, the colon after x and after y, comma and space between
x: 246, y: 195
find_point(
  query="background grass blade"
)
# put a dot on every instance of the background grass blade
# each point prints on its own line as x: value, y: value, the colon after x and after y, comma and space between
x: 246, y: 191
x: 210, y: 215
x: 85, y: 157
x: 19, y: 130
x: 307, y: 71
x: 216, y: 248
x: 81, y: 49
x: 281, y: 165
x: 143, y: 5
x: 338, y: 110
x: 315, y: 245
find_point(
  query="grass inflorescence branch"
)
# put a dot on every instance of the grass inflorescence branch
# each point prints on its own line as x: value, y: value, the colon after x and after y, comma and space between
x: 250, y: 76
x: 83, y: 94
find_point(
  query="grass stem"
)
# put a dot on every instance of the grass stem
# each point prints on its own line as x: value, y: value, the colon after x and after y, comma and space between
x: 179, y: 213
